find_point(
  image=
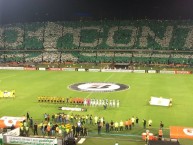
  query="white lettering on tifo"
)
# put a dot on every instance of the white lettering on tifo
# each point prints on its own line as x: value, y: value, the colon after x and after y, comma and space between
x: 52, y: 33
x: 147, y: 32
x: 189, y: 38
x: 38, y: 34
x: 134, y: 36
x: 110, y: 39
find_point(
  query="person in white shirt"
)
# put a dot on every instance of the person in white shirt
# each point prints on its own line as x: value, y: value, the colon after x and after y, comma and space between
x: 113, y: 103
x: 100, y: 102
x: 117, y: 103
x: 91, y: 102
x: 133, y: 121
x: 110, y: 103
x: 96, y: 102
x: 149, y: 122
x: 85, y: 102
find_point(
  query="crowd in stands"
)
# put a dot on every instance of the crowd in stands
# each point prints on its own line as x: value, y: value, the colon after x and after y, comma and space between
x: 140, y: 34
x: 49, y: 39
x: 95, y: 57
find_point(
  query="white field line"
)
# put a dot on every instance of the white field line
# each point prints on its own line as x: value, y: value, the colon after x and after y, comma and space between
x: 7, y: 77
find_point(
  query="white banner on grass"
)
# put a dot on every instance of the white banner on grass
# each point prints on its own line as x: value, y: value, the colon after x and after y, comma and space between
x: 159, y: 101
x: 71, y: 109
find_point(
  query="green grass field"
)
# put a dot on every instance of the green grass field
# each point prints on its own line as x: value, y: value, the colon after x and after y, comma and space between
x: 133, y: 102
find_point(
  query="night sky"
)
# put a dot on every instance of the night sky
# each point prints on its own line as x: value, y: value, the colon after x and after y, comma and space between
x: 14, y: 11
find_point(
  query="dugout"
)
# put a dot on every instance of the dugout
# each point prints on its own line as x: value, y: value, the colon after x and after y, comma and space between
x: 120, y: 65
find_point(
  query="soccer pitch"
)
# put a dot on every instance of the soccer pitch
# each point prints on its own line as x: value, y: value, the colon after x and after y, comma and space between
x: 133, y: 101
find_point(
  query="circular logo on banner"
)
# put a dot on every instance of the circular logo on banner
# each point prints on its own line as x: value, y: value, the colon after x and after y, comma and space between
x: 188, y: 131
x: 9, y: 122
x: 98, y: 87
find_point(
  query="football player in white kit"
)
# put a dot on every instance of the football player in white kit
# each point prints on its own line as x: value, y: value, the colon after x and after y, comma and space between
x: 117, y: 103
x: 113, y: 103
x: 110, y: 103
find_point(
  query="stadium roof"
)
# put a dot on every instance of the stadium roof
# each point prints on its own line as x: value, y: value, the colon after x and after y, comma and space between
x: 13, y: 11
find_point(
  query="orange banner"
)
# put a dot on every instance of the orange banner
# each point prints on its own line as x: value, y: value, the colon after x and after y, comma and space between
x: 181, y: 132
x: 7, y: 121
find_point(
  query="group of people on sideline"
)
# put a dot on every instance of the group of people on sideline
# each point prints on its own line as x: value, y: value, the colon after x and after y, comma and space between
x: 61, y: 123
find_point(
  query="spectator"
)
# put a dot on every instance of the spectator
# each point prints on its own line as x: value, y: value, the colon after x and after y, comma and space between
x: 161, y: 125
x: 107, y: 127
x: 144, y: 123
x: 35, y: 129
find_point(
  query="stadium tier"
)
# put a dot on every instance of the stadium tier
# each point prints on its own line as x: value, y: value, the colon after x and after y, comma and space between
x: 98, y: 42
x: 138, y: 34
x: 97, y: 57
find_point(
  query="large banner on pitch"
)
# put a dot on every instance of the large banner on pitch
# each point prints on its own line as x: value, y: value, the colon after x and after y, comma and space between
x: 177, y: 132
x: 7, y: 121
x: 72, y: 109
x: 159, y: 101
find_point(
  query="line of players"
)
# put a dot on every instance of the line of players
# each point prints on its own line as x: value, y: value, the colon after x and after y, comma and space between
x: 101, y: 102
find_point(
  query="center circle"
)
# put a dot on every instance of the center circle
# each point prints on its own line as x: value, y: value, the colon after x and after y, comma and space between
x: 98, y: 87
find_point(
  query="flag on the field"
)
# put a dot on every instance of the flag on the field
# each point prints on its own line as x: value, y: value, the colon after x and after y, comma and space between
x: 159, y: 101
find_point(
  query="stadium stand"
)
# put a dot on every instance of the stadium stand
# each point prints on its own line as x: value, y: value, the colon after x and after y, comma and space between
x: 132, y: 41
